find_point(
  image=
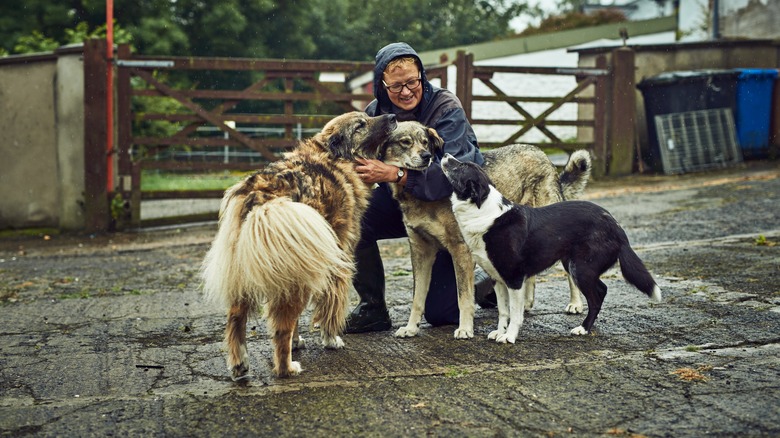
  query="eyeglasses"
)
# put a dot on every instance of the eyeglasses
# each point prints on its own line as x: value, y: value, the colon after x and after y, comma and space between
x: 397, y: 88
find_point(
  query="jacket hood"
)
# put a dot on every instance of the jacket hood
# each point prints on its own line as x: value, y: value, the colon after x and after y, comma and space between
x: 383, y: 58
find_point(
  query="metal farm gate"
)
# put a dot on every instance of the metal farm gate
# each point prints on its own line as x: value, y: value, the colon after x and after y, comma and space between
x: 230, y: 109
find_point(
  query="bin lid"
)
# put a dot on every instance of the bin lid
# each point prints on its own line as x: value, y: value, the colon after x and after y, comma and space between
x: 757, y: 73
x: 683, y: 76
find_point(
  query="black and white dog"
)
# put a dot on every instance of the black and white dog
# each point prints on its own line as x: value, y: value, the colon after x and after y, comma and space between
x: 512, y: 242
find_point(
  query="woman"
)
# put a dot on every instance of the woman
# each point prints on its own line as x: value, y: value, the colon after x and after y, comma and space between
x: 402, y: 88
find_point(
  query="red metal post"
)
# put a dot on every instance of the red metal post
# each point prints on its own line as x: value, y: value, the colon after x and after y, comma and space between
x: 109, y: 96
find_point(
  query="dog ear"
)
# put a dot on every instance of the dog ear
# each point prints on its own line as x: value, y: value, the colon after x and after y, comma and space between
x: 475, y: 193
x: 479, y: 189
x: 371, y: 148
x: 484, y: 191
x: 339, y: 146
x: 434, y: 140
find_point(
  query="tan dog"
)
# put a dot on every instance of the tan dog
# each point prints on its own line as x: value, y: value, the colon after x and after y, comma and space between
x: 523, y: 173
x: 287, y: 236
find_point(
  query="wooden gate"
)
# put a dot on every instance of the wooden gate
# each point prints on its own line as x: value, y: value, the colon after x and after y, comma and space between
x: 609, y: 120
x: 292, y: 96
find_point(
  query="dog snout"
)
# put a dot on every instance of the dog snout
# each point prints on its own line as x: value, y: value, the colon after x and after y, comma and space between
x: 391, y: 121
x: 426, y: 156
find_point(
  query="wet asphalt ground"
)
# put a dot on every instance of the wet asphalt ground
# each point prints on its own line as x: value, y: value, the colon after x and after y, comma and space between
x: 108, y: 336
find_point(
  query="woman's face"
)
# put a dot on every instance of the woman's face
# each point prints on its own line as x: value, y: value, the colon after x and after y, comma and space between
x: 406, y: 99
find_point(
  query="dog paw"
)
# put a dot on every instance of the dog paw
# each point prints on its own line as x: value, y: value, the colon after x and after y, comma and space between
x: 505, y: 338
x: 574, y: 308
x: 464, y: 333
x: 406, y: 332
x: 579, y: 331
x: 333, y: 343
x: 298, y: 344
x: 240, y: 372
x: 496, y: 333
x: 293, y: 370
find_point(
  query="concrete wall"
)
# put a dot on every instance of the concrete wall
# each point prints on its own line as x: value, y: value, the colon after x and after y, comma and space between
x: 652, y: 60
x: 70, y: 140
x: 42, y: 164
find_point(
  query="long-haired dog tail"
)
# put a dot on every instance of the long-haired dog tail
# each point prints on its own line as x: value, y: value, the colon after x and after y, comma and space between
x: 278, y: 246
x: 635, y: 272
x: 576, y: 174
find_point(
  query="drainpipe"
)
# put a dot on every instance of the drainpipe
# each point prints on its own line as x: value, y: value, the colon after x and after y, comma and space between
x: 715, y: 19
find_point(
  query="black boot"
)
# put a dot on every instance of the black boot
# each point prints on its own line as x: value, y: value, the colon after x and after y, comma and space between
x: 484, y: 295
x: 371, y: 313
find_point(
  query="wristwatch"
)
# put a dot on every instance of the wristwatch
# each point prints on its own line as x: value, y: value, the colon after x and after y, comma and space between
x: 400, y: 174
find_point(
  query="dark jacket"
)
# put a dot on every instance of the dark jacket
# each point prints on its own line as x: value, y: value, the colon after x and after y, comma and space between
x: 439, y: 109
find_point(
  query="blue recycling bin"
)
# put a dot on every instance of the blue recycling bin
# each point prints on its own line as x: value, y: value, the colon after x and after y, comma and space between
x: 754, y: 109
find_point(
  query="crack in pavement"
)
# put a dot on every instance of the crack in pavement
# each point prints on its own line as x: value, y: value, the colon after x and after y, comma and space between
x: 734, y: 238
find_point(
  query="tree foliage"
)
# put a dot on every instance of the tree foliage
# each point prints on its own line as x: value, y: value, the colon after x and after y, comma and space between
x: 425, y: 24
x: 575, y: 20
x: 295, y: 29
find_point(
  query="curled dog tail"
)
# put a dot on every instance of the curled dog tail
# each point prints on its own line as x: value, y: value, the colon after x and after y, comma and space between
x: 576, y: 174
x: 635, y: 272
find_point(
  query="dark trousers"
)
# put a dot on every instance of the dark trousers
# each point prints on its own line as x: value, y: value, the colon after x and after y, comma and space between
x: 384, y: 220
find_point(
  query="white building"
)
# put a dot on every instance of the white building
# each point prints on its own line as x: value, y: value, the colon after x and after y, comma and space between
x: 698, y: 18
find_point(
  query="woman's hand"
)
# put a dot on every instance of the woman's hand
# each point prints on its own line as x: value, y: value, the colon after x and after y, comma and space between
x: 375, y: 171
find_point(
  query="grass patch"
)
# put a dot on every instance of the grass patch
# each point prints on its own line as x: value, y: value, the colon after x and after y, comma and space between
x: 452, y: 371
x: 761, y: 240
x: 700, y: 289
x: 155, y: 180
x: 552, y: 150
x: 75, y: 295
x: 400, y: 273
